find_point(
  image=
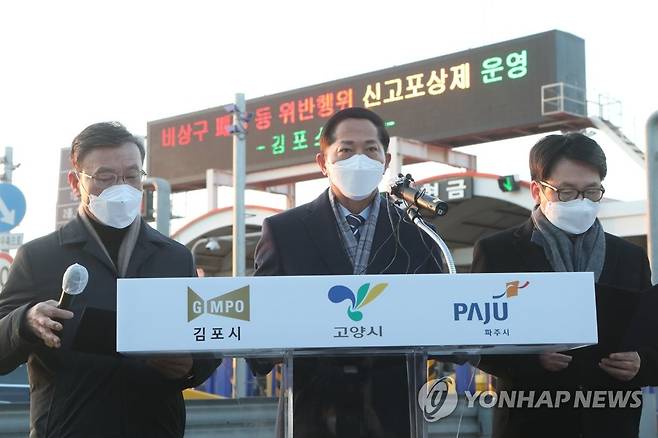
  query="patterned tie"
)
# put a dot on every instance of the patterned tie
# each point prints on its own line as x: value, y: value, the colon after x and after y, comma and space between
x: 355, y: 221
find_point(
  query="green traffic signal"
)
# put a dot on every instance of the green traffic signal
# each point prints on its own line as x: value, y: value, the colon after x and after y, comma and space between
x: 508, y: 183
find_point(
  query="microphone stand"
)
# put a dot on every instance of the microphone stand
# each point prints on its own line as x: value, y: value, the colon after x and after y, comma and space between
x: 415, y: 217
x: 413, y: 213
x: 416, y: 360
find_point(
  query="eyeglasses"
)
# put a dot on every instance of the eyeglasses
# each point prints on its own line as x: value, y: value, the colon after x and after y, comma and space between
x: 594, y: 194
x: 104, y: 180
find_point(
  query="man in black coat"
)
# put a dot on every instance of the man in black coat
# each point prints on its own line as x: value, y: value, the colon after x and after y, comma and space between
x: 564, y: 235
x: 348, y: 230
x: 76, y: 393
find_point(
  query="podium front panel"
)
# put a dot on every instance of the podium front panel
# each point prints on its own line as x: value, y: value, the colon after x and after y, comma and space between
x: 260, y: 316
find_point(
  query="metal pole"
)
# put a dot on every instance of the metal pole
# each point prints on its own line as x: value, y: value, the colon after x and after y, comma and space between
x: 652, y: 193
x: 211, y: 189
x: 163, y: 206
x: 239, y: 183
x: 290, y: 196
x: 239, y: 227
x: 396, y: 158
x: 287, y: 394
x: 8, y: 164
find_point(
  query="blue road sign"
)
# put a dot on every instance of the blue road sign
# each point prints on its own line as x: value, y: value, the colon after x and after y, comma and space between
x: 12, y: 207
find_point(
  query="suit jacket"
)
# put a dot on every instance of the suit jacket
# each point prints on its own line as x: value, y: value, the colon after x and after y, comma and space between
x: 306, y: 241
x: 75, y: 394
x: 626, y: 266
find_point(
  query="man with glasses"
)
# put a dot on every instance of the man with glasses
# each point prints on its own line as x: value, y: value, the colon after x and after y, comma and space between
x: 563, y: 234
x: 74, y: 392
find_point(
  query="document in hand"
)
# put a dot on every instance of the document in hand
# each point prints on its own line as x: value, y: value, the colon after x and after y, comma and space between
x: 616, y: 309
x: 617, y: 314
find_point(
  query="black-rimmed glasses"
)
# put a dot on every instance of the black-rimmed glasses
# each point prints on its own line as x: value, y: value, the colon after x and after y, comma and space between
x: 594, y: 194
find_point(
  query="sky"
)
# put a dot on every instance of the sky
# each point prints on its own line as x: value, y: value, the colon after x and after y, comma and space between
x: 68, y: 64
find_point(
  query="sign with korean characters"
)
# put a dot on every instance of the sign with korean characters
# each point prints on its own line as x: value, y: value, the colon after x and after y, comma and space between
x: 462, y: 312
x: 452, y: 100
x: 451, y: 190
x: 10, y: 241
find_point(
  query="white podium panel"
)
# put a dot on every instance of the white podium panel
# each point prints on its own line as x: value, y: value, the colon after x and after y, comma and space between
x: 477, y: 313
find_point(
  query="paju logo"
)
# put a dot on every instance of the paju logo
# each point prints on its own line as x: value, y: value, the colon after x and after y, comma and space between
x: 512, y: 289
x: 364, y: 296
x: 484, y: 311
x: 234, y: 304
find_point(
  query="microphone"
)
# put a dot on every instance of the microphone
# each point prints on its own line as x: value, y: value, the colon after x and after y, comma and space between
x: 401, y: 188
x: 74, y: 282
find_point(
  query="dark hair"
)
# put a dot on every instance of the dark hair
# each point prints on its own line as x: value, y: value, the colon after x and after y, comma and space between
x: 103, y: 135
x: 329, y: 131
x: 576, y: 147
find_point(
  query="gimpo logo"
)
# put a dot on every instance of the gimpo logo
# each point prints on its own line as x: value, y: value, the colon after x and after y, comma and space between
x: 364, y: 296
x: 234, y: 304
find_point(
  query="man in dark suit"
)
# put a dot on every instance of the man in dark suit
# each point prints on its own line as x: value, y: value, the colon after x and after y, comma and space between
x: 75, y: 393
x: 563, y: 235
x: 349, y: 229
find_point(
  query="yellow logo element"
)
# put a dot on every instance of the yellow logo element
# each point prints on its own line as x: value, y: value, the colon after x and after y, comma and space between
x: 234, y: 304
x: 512, y: 289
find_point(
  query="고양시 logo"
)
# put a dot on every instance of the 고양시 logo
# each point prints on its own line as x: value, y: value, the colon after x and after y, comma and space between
x: 364, y: 296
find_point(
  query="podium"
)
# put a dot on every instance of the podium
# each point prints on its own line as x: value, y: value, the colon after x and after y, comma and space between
x: 410, y: 317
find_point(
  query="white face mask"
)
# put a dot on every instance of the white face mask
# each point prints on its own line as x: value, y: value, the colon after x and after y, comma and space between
x: 573, y: 217
x: 117, y: 206
x: 357, y: 177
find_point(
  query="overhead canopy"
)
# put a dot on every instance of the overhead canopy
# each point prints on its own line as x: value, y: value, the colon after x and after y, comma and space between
x: 478, y: 207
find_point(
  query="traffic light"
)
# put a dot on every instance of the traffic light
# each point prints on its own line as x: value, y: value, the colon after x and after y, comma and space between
x: 508, y: 183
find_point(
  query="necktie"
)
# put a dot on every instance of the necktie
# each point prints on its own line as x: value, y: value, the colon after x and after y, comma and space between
x: 355, y: 221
